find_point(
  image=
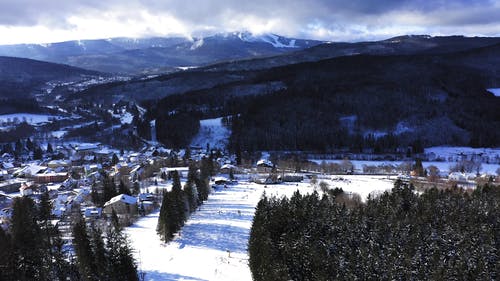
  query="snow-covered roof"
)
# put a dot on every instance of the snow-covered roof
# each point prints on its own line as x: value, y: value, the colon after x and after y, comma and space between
x: 8, y: 165
x: 228, y: 166
x: 32, y: 169
x: 123, y: 198
x: 221, y: 179
x: 178, y: 169
x: 264, y: 162
x: 87, y: 146
x: 58, y: 163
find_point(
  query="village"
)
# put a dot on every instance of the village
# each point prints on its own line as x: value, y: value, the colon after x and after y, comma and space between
x: 76, y: 180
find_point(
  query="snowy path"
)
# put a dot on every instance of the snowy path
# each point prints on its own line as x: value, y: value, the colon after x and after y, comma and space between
x: 200, y: 252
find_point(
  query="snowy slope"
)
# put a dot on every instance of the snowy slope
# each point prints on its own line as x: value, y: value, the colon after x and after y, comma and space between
x: 201, y: 251
x: 213, y: 132
x: 495, y: 91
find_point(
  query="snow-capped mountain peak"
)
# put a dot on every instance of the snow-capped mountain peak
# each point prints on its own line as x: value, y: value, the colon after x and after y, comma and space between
x: 273, y: 39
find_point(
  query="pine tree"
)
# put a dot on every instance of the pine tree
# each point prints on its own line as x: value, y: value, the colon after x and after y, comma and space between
x: 190, y: 189
x: 137, y: 188
x: 109, y: 189
x: 99, y: 253
x: 83, y: 250
x: 122, y: 189
x: 7, y: 267
x: 114, y: 159
x: 95, y: 197
x: 37, y: 153
x: 49, y: 148
x: 121, y: 261
x: 29, y: 145
x: 179, y: 201
x: 164, y: 228
x: 28, y: 250
x: 62, y: 268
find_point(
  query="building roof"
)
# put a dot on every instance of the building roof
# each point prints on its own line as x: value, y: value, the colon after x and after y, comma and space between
x: 123, y: 198
x: 264, y: 162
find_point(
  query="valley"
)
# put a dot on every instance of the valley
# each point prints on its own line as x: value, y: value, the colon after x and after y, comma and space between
x: 179, y: 143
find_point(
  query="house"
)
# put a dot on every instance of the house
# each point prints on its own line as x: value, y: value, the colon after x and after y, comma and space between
x: 221, y: 181
x: 30, y: 171
x: 457, y: 176
x: 10, y: 186
x: 183, y: 171
x: 146, y: 207
x: 26, y: 190
x: 92, y: 212
x: 227, y: 168
x: 54, y: 164
x: 122, y: 204
x: 291, y: 178
x: 264, y: 166
x: 50, y: 177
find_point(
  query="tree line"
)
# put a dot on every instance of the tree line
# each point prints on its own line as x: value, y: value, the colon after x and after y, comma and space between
x: 32, y: 247
x: 400, y: 235
x: 179, y: 203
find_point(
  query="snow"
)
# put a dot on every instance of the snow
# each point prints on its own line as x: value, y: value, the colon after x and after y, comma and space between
x: 33, y: 119
x: 198, y: 43
x: 443, y: 166
x: 221, y: 224
x: 213, y: 132
x: 122, y: 197
x: 494, y: 91
x: 58, y: 134
x: 270, y: 38
x: 454, y: 152
x: 125, y: 117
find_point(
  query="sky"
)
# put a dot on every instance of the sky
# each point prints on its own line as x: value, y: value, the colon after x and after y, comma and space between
x: 45, y: 21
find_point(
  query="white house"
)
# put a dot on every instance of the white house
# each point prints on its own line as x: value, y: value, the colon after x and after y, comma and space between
x: 122, y: 204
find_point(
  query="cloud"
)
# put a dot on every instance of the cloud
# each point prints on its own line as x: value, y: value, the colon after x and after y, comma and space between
x: 321, y: 19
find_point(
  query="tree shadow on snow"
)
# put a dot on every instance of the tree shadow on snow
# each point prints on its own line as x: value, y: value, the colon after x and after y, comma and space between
x: 164, y: 276
x: 216, y: 236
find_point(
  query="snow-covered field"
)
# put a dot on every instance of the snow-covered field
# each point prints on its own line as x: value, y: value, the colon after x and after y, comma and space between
x: 213, y: 243
x: 455, y: 152
x: 442, y: 166
x: 213, y: 132
x: 33, y: 119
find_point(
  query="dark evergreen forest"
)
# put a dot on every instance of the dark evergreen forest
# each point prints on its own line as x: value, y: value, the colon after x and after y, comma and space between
x: 438, y: 235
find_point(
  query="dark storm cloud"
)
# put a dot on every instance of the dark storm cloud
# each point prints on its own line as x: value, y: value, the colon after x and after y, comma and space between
x: 315, y: 17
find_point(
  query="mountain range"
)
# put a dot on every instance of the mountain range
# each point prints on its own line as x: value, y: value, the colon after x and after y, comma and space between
x: 157, y: 55
x: 405, y: 91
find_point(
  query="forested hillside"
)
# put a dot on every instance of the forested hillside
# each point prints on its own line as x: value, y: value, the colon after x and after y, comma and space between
x: 439, y: 235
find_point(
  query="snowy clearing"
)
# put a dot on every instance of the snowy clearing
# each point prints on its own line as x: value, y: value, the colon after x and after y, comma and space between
x: 442, y: 166
x: 222, y: 224
x: 454, y: 153
x: 213, y: 132
x: 33, y: 119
